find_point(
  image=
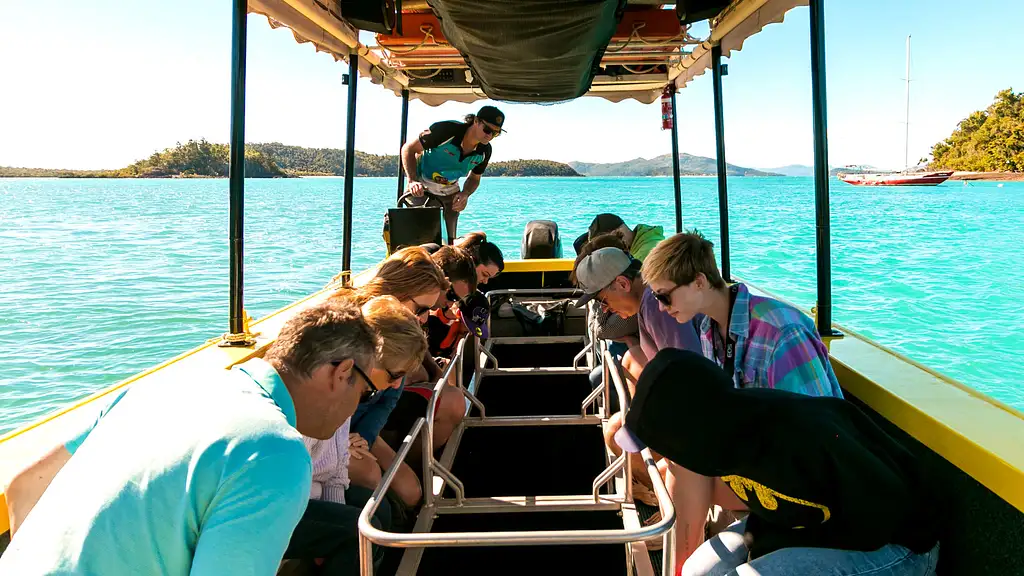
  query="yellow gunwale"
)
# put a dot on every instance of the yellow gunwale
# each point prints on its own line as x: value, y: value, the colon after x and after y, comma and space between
x: 971, y: 430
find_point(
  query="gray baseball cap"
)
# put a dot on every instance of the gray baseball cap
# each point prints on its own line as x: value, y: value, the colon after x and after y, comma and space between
x: 598, y: 270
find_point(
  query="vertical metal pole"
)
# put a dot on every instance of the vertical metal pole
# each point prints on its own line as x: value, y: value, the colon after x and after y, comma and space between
x: 675, y: 165
x: 821, y: 212
x: 723, y: 168
x: 401, y: 143
x: 906, y: 134
x: 350, y: 160
x: 236, y: 166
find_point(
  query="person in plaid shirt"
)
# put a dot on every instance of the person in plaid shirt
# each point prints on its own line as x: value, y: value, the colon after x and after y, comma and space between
x: 760, y: 343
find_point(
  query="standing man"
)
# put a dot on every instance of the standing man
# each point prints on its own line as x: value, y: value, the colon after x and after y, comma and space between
x: 204, y: 472
x: 446, y: 152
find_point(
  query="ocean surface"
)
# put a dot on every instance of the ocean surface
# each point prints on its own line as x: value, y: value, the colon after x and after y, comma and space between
x: 104, y: 278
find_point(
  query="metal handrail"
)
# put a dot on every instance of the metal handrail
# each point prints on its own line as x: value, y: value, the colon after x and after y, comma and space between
x: 607, y: 475
x: 582, y: 354
x: 369, y: 534
x: 614, y: 369
x: 431, y: 464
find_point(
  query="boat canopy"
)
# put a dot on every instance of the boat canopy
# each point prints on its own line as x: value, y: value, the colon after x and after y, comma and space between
x: 531, y: 50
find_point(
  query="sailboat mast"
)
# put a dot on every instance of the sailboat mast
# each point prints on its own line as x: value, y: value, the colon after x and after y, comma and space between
x: 906, y: 134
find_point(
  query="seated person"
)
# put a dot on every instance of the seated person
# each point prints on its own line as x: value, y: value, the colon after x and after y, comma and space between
x: 486, y: 255
x: 639, y: 241
x: 417, y: 282
x: 200, y: 472
x: 759, y: 342
x: 829, y: 492
x: 611, y: 277
x: 622, y: 333
x: 444, y: 330
x: 345, y: 472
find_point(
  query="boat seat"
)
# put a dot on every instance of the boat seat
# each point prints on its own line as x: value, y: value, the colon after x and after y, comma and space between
x: 411, y: 227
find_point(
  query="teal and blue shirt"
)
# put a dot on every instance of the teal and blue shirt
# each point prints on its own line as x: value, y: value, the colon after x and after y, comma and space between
x: 443, y: 161
x: 189, y: 474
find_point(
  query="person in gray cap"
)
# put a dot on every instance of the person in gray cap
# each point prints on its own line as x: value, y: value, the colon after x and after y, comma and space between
x: 611, y: 277
x: 447, y: 152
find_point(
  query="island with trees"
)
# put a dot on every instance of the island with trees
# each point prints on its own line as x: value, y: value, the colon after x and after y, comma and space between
x: 988, y: 144
x: 200, y: 158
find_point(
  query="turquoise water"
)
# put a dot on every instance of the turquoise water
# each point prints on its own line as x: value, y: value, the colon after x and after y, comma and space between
x: 104, y: 278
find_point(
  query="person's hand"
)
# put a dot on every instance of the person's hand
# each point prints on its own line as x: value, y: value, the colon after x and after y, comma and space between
x: 359, y: 448
x: 415, y: 188
x: 357, y: 442
x: 459, y: 202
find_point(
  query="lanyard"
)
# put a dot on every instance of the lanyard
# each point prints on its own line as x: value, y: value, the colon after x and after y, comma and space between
x: 730, y: 347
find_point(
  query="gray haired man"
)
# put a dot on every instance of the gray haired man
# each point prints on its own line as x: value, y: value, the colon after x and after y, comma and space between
x: 203, y: 472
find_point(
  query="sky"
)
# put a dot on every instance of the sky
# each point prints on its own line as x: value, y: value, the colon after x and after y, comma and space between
x: 103, y: 83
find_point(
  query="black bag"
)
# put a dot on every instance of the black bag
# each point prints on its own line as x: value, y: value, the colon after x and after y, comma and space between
x: 541, y: 319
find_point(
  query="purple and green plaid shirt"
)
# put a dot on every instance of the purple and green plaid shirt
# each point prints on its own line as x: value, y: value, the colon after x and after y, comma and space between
x: 777, y: 346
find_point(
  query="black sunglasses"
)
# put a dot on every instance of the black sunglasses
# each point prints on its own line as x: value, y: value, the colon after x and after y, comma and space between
x: 452, y: 296
x: 371, y: 390
x: 665, y: 297
x: 490, y: 131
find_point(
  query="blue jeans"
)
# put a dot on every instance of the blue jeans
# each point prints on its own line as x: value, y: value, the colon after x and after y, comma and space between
x: 725, y: 555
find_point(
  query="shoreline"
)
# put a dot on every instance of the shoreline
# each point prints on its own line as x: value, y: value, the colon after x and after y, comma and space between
x: 92, y: 175
x: 989, y: 176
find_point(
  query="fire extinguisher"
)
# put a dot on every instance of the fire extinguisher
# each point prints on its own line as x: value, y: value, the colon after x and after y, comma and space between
x: 666, y: 107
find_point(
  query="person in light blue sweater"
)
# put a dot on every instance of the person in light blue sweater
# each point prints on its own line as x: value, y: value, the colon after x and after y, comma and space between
x: 192, y: 470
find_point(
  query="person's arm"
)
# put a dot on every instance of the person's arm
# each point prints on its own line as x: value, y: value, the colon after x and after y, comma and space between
x: 462, y: 197
x: 25, y: 489
x: 251, y: 519
x: 409, y: 152
x: 376, y: 415
x: 434, y: 372
x: 797, y: 365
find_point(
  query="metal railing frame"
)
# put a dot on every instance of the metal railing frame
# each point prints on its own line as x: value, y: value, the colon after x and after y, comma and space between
x: 369, y: 535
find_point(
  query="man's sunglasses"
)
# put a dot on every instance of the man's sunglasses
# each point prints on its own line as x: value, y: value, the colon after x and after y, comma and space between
x: 371, y: 390
x: 491, y: 131
x: 665, y: 297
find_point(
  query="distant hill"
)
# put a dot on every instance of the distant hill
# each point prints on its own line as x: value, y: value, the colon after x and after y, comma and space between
x: 689, y: 165
x: 331, y: 161
x: 792, y: 170
x: 988, y: 140
x: 272, y: 160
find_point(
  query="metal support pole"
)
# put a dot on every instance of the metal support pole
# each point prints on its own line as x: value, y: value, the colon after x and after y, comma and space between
x: 401, y: 143
x: 350, y: 160
x: 675, y: 165
x: 723, y: 186
x: 236, y: 166
x: 821, y: 212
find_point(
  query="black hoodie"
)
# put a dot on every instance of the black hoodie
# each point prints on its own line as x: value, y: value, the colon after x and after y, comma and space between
x: 814, y: 471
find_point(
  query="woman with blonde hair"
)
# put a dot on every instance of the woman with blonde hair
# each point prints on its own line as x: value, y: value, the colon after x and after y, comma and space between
x: 411, y: 276
x: 347, y: 468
